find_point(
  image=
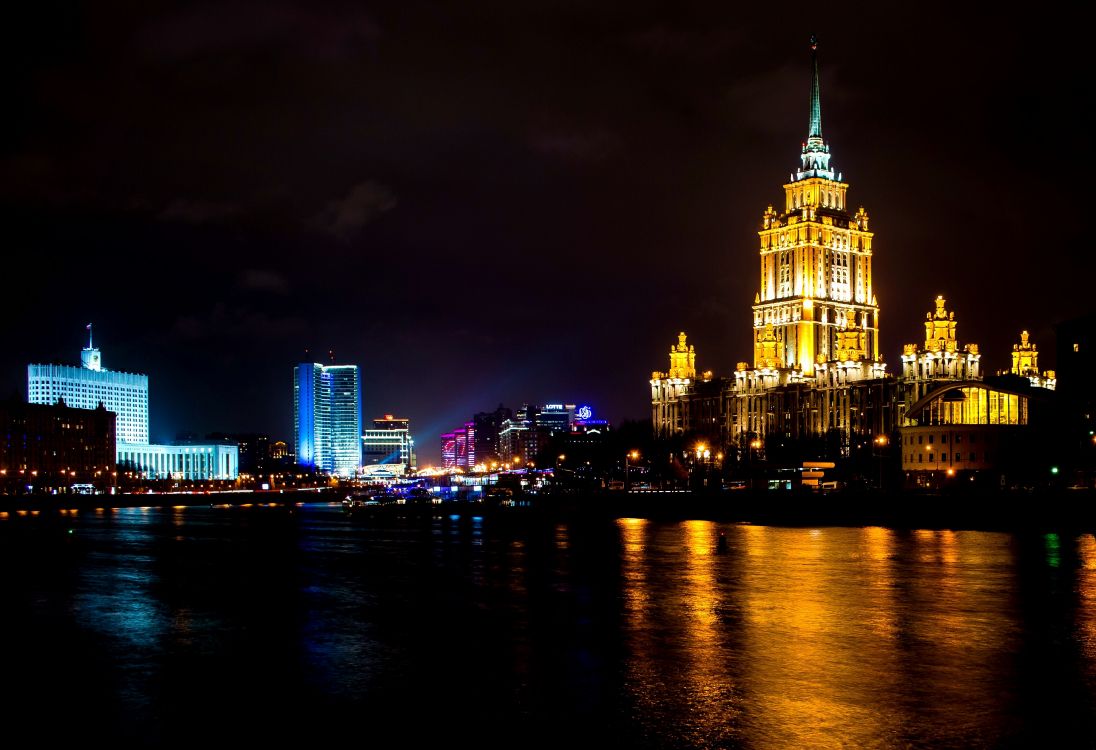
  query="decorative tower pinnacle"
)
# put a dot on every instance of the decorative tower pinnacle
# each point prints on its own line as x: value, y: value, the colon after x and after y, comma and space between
x: 1025, y: 356
x: 682, y: 359
x: 815, y: 129
x: 816, y: 154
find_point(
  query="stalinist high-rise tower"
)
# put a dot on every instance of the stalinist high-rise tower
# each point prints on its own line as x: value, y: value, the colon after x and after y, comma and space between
x: 815, y: 303
x: 817, y: 371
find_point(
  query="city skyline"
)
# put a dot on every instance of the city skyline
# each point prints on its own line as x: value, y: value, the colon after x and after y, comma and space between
x: 569, y: 222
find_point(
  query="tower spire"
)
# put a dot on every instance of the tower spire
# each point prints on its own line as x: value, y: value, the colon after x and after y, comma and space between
x: 815, y: 130
x: 816, y: 154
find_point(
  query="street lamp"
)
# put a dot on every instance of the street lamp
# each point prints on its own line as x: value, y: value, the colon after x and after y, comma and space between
x: 632, y: 455
x: 881, y: 443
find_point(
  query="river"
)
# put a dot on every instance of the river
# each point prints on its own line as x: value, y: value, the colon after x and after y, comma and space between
x: 283, y: 624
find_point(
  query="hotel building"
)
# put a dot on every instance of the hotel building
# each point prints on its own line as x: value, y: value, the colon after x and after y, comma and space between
x: 389, y: 444
x: 818, y: 374
x: 817, y: 369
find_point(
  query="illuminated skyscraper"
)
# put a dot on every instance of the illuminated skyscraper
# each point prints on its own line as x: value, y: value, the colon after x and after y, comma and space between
x: 327, y: 417
x: 817, y: 369
x: 816, y: 285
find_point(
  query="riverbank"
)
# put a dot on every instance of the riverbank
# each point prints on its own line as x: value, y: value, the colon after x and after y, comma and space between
x: 1063, y: 509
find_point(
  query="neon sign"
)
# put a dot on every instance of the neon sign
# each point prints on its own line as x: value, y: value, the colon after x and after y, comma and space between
x: 584, y: 413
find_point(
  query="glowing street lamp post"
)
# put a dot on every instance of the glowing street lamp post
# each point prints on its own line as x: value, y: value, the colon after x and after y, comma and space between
x: 881, y: 443
x: 632, y: 455
x: 702, y: 453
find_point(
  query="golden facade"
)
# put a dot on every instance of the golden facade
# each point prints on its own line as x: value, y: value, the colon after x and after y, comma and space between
x: 1025, y: 364
x: 817, y: 370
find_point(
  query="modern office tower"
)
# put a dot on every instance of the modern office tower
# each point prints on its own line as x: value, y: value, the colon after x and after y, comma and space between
x: 389, y: 443
x: 469, y: 445
x: 487, y: 425
x: 87, y: 386
x: 327, y: 417
x: 448, y: 449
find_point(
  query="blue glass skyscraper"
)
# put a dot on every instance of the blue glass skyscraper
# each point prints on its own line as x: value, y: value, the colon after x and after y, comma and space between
x: 327, y: 417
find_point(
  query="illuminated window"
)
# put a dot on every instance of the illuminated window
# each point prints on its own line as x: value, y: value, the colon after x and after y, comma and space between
x: 1076, y: 347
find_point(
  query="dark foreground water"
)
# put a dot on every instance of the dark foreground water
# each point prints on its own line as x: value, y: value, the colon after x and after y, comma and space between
x: 261, y: 625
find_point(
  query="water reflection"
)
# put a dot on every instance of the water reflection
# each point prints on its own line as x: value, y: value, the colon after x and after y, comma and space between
x: 692, y: 634
x: 819, y: 638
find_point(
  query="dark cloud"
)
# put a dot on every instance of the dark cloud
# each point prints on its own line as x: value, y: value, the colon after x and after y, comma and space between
x: 312, y: 30
x: 237, y: 324
x: 345, y: 217
x: 196, y: 211
x: 593, y: 145
x: 576, y: 183
x: 264, y: 280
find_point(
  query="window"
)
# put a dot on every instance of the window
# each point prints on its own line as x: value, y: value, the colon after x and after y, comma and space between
x: 919, y: 458
x: 931, y: 438
x: 972, y: 456
x: 943, y: 438
x: 958, y: 439
x: 920, y: 438
x: 958, y: 457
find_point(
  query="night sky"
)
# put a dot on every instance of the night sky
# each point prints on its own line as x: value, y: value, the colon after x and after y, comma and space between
x: 505, y: 202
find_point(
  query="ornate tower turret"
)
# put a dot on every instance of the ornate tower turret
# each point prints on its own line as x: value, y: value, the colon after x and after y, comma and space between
x: 1025, y: 357
x: 815, y: 281
x: 941, y: 358
x: 682, y: 359
x: 668, y: 389
x: 1025, y: 363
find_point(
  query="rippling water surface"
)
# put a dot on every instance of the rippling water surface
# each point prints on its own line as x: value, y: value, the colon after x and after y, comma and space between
x: 274, y: 624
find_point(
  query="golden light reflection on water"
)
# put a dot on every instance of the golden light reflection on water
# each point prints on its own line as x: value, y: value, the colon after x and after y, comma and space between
x: 819, y: 637
x: 1086, y: 595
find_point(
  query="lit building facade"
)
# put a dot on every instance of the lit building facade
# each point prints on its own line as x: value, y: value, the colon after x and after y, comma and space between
x: 48, y: 447
x: 327, y: 417
x: 87, y: 386
x: 197, y: 462
x: 817, y: 370
x: 1025, y: 364
x: 487, y: 425
x: 389, y: 443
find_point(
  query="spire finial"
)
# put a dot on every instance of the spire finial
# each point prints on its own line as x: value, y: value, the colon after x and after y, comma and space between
x: 815, y: 130
x: 816, y: 154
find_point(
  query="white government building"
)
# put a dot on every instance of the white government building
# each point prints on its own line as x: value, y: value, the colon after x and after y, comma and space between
x: 126, y: 394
